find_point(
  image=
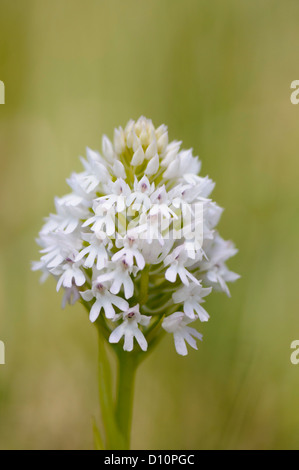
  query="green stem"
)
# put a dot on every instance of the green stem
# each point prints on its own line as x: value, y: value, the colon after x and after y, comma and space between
x: 114, y: 439
x: 144, y: 281
x: 125, y: 393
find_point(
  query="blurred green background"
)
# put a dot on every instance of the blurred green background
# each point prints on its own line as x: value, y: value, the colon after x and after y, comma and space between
x: 218, y: 74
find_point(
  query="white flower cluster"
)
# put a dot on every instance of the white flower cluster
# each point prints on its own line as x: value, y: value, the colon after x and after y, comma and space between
x: 137, y: 234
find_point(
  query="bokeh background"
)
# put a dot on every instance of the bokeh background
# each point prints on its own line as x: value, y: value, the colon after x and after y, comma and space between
x: 218, y: 74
